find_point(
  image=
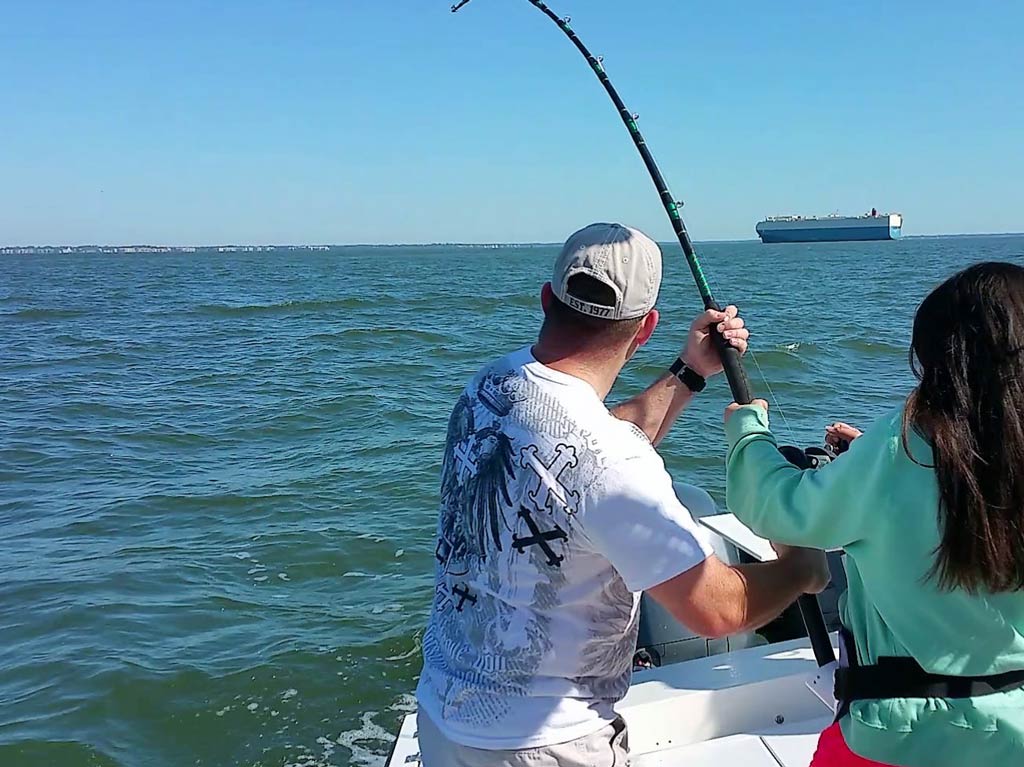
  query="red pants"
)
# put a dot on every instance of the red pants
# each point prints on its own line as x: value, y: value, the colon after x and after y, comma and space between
x: 833, y: 752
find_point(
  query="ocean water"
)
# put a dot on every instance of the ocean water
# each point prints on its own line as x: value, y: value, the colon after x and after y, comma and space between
x: 218, y: 472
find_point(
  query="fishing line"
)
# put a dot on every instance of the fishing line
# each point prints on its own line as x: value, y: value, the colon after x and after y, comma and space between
x: 776, y: 403
x: 739, y: 383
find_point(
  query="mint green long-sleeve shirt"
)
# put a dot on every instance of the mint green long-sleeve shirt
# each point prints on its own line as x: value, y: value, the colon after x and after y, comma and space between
x: 882, y: 509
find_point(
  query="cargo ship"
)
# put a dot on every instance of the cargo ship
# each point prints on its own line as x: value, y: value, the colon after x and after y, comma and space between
x: 870, y: 226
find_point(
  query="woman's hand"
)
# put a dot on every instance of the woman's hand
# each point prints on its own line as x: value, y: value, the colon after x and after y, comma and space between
x: 736, y: 406
x: 839, y: 433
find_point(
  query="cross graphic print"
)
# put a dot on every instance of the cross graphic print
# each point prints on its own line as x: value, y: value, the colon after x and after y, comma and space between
x: 464, y: 459
x: 540, y: 539
x: 464, y: 595
x: 442, y: 551
x: 546, y: 489
x: 442, y: 596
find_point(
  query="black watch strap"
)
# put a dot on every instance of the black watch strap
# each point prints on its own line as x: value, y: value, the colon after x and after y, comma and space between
x: 692, y: 380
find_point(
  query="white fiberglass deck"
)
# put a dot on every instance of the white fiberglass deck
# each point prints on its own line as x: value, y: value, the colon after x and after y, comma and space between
x: 793, y: 749
x: 750, y: 708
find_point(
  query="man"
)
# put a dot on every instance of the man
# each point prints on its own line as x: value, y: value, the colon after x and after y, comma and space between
x: 556, y: 513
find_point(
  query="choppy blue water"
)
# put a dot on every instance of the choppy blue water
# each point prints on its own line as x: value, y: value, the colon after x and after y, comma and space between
x: 218, y: 472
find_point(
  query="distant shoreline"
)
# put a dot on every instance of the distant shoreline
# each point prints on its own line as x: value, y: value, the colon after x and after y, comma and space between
x: 44, y: 250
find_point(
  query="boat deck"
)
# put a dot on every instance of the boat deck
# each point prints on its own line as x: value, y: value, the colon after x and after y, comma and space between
x: 780, y: 750
x: 750, y: 708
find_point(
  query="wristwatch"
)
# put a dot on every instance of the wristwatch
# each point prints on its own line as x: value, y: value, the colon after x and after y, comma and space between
x: 691, y: 379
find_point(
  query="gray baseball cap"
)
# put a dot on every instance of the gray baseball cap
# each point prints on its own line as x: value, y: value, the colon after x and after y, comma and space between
x: 623, y: 258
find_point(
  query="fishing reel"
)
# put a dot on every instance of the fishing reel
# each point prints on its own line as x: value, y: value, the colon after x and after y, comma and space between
x: 813, y: 457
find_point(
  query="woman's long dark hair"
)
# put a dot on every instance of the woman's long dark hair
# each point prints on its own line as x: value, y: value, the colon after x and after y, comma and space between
x: 968, y: 354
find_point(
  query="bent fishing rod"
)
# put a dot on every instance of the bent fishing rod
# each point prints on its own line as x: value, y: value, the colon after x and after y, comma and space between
x: 739, y: 383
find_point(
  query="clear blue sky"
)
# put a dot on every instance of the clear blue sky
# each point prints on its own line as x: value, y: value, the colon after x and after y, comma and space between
x: 344, y: 121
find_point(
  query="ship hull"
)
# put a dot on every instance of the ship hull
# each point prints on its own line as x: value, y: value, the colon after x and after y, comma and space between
x: 832, y: 229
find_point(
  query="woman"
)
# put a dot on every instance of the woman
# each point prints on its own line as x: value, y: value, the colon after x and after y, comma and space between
x: 929, y: 506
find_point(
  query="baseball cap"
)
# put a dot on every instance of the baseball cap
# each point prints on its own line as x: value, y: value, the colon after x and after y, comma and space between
x: 623, y: 258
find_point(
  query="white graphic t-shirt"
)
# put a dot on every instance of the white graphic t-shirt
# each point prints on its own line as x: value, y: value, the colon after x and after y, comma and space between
x: 555, y: 515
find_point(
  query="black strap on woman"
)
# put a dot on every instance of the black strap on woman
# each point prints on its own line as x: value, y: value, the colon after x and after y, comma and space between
x: 894, y: 677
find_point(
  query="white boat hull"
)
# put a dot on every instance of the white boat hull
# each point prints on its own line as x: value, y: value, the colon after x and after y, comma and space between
x: 750, y: 708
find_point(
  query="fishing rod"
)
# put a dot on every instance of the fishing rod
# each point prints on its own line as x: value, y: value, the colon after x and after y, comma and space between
x: 739, y: 383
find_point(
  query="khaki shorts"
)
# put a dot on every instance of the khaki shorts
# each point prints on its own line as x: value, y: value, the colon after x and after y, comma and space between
x: 608, y: 747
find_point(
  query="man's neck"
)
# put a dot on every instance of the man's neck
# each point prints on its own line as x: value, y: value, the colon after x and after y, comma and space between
x: 598, y: 370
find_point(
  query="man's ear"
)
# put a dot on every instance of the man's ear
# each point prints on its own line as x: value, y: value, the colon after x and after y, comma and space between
x: 547, y: 296
x: 647, y: 326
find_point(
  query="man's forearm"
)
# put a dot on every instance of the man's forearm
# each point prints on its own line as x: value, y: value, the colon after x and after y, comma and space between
x: 656, y: 409
x: 719, y: 600
x: 770, y: 587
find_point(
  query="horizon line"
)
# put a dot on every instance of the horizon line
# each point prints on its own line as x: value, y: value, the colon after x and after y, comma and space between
x: 495, y: 243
